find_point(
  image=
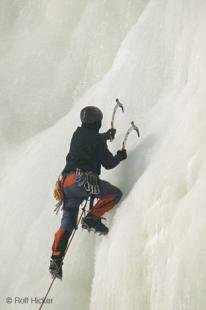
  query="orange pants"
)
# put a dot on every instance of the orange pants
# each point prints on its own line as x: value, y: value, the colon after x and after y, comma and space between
x: 74, y: 195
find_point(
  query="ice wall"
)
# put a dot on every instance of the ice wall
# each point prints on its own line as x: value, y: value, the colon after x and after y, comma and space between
x: 51, y: 53
x: 154, y: 255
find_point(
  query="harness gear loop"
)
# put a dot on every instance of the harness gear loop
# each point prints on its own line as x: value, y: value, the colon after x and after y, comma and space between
x: 58, y: 193
x: 90, y: 180
x: 91, y: 185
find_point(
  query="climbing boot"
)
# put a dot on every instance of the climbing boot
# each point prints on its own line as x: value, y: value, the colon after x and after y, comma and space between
x: 93, y: 223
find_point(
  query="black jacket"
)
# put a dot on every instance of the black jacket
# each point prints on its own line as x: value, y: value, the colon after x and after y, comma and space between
x: 88, y: 151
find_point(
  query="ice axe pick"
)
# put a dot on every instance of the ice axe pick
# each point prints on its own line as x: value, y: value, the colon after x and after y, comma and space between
x: 132, y: 127
x: 117, y: 105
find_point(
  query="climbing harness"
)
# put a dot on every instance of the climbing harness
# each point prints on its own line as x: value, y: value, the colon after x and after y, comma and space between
x: 92, y: 183
x: 89, y: 180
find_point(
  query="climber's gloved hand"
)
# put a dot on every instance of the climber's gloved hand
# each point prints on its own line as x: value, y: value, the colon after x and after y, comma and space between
x: 122, y: 154
x: 110, y: 134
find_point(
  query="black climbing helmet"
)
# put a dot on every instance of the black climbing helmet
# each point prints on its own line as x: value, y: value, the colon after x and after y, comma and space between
x: 91, y: 115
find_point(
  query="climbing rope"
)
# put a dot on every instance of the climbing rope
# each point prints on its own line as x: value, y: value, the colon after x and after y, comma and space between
x: 68, y: 245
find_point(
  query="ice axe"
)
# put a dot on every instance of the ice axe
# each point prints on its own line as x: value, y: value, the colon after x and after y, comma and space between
x: 117, y: 105
x: 132, y: 127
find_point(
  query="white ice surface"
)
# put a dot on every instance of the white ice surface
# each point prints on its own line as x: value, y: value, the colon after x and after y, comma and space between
x: 154, y: 255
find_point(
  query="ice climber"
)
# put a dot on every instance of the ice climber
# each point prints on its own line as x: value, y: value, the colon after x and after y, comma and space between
x: 80, y: 178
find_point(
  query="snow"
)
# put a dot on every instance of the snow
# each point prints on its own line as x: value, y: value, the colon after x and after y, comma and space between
x: 57, y: 57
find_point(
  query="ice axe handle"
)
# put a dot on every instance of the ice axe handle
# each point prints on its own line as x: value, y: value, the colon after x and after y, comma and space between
x: 133, y: 127
x: 117, y: 105
x: 112, y: 126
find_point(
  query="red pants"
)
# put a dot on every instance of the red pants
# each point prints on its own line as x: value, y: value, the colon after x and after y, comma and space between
x: 74, y: 195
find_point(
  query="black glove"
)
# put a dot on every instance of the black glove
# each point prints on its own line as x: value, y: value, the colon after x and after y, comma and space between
x: 110, y: 134
x: 122, y: 154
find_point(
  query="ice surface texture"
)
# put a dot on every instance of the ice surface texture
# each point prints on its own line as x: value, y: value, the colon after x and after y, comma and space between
x: 57, y: 57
